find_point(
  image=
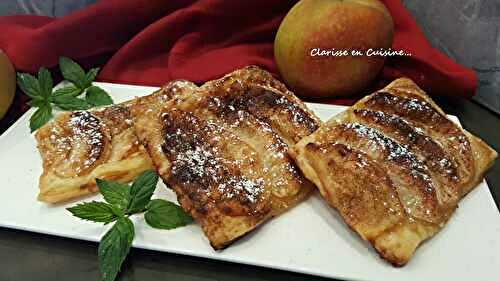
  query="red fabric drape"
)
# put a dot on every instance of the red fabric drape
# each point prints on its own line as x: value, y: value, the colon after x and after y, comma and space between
x: 149, y: 42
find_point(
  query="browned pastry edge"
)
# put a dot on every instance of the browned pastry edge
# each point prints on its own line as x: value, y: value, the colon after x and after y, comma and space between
x: 185, y: 96
x: 397, y: 243
x: 119, y: 158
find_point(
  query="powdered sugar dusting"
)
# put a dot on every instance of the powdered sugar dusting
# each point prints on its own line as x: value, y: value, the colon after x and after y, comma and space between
x: 417, y: 105
x: 196, y: 162
x: 432, y: 152
x: 298, y: 115
x: 394, y: 152
x: 86, y: 131
x: 80, y: 141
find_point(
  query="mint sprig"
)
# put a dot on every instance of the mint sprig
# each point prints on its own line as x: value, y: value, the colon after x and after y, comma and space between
x: 68, y: 91
x: 41, y: 116
x: 141, y: 191
x: 96, y: 96
x: 94, y: 211
x: 43, y: 97
x: 74, y: 73
x: 163, y: 214
x: 114, y: 248
x: 115, y: 193
x: 30, y: 86
x: 123, y: 201
x: 69, y: 103
x: 45, y: 82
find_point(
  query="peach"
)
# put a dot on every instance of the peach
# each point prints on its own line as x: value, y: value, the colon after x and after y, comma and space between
x: 313, y: 28
x: 7, y: 84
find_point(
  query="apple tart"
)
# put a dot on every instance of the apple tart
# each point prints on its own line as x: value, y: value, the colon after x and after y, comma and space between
x: 394, y: 166
x: 78, y: 147
x: 222, y: 148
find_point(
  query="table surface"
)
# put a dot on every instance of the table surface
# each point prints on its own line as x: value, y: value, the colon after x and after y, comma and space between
x: 32, y: 257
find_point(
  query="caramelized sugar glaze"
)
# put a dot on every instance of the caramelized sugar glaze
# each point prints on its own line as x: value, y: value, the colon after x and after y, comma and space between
x: 78, y: 147
x: 426, y: 118
x: 394, y: 167
x: 210, y: 174
x: 223, y: 148
x: 75, y: 143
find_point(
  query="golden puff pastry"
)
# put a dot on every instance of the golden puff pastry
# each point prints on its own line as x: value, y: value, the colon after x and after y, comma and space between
x: 225, y: 159
x: 78, y: 147
x: 394, y: 166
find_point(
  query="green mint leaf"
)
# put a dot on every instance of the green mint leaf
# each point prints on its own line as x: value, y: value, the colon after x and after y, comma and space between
x: 141, y: 191
x: 67, y: 91
x: 73, y: 72
x: 115, y: 193
x: 41, y: 116
x: 163, y: 214
x: 114, y: 248
x: 38, y: 103
x: 45, y: 82
x: 70, y: 103
x: 94, y: 211
x: 29, y: 85
x: 97, y: 96
x: 91, y: 75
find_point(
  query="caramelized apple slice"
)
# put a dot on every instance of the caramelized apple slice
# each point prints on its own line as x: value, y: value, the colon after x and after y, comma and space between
x: 75, y: 144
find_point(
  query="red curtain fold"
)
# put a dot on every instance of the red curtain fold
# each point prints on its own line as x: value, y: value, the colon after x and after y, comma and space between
x: 149, y: 42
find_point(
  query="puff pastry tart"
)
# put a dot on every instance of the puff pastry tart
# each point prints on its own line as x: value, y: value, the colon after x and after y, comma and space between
x: 78, y: 147
x: 222, y: 148
x: 394, y: 166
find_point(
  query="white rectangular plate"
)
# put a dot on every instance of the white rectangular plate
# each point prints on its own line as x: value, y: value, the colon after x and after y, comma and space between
x: 310, y: 238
